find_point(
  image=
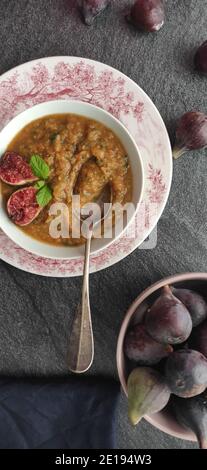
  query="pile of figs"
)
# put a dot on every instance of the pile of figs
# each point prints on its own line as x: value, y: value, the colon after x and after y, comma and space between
x: 168, y: 359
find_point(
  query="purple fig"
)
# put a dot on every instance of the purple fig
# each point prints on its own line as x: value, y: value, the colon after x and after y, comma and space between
x: 142, y: 348
x: 147, y: 393
x: 192, y: 414
x: 22, y: 206
x: 168, y: 320
x: 194, y: 302
x: 198, y: 339
x: 191, y: 133
x: 200, y: 59
x: 90, y: 9
x: 147, y: 15
x: 140, y: 313
x: 186, y: 373
x: 14, y: 170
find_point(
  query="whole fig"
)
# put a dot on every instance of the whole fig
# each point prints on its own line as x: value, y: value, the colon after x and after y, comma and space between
x: 198, y: 339
x: 191, y: 133
x: 142, y: 348
x: 194, y: 302
x: 200, y: 59
x: 147, y: 15
x: 192, y: 414
x: 147, y: 393
x: 168, y: 321
x: 186, y: 373
x: 90, y: 9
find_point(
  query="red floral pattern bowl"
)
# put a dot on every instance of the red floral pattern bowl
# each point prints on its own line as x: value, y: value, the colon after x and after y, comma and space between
x: 69, y: 78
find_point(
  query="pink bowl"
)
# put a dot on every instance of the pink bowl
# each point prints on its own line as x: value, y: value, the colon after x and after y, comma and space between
x: 163, y: 420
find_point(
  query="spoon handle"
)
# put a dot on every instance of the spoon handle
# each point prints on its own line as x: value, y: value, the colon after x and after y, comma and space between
x: 81, y: 346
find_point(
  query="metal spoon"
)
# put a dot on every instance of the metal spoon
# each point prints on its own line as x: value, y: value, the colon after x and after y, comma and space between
x: 81, y: 343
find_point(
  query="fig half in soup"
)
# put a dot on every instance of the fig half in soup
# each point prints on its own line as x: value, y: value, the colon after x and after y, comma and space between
x: 22, y: 206
x: 15, y: 171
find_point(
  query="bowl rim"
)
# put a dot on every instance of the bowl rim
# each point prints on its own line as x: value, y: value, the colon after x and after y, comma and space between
x: 152, y: 419
x: 73, y: 102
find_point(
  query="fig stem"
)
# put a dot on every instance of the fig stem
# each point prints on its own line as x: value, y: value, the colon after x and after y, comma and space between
x: 167, y: 289
x: 177, y: 152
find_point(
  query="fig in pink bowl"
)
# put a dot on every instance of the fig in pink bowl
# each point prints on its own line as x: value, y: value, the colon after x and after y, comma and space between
x: 192, y: 414
x: 142, y: 348
x: 147, y: 392
x: 194, y: 302
x: 186, y: 373
x: 15, y: 171
x: 168, y: 321
x: 198, y: 339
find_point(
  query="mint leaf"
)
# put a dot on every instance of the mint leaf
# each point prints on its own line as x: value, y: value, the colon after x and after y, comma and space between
x: 39, y: 184
x: 39, y: 167
x: 44, y: 196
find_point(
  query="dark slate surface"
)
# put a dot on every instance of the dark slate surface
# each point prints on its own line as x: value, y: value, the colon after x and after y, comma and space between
x: 35, y: 313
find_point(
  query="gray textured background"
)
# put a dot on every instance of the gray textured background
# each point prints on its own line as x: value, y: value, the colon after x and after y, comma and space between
x: 35, y: 312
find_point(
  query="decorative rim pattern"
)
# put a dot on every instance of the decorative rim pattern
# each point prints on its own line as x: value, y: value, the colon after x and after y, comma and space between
x: 86, y: 80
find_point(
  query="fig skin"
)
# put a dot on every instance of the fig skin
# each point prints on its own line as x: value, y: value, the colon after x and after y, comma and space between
x: 142, y: 348
x: 147, y: 393
x: 192, y: 414
x: 194, y: 302
x: 186, y: 373
x: 168, y: 320
x: 15, y: 171
x: 198, y: 339
x: 22, y: 206
x: 90, y: 9
x: 200, y: 58
x: 191, y: 133
x: 147, y: 15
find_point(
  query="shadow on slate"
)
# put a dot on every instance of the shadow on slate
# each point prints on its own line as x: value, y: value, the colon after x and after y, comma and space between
x: 71, y: 413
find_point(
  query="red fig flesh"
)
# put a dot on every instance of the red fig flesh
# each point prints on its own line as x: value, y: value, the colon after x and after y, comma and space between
x: 22, y: 206
x: 90, y: 9
x: 14, y: 170
x: 200, y: 59
x: 147, y: 15
x: 191, y: 133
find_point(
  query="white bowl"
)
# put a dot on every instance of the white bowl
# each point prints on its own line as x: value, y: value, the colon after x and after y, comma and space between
x: 92, y: 112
